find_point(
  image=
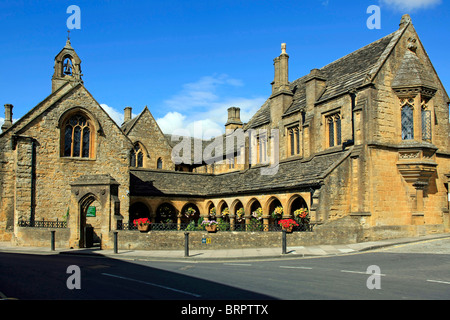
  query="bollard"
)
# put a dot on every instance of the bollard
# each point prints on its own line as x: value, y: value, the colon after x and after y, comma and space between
x: 52, y: 243
x: 284, y: 242
x: 186, y: 244
x: 115, y: 242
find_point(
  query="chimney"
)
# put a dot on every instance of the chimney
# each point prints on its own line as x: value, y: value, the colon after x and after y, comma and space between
x: 8, y: 117
x: 234, y: 119
x: 315, y: 85
x: 127, y: 115
x: 281, y: 65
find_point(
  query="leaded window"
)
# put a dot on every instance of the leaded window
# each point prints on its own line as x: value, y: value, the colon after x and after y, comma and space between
x: 294, y: 141
x: 137, y: 156
x: 334, y: 129
x: 77, y: 137
x: 159, y: 164
x: 426, y: 124
x: 407, y: 122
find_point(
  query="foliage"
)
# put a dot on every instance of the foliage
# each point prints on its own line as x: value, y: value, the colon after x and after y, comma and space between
x: 209, y: 223
x: 240, y: 214
x: 226, y: 211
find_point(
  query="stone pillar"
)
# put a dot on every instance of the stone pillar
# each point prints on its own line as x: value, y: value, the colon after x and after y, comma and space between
x: 8, y: 117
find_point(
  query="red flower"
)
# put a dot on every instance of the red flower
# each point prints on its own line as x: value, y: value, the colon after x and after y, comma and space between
x: 141, y: 221
x: 287, y: 223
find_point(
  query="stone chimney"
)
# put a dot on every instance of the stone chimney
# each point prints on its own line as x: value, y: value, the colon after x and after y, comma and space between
x: 315, y: 85
x: 234, y: 119
x: 127, y: 114
x: 281, y: 98
x: 8, y: 117
x: 281, y: 64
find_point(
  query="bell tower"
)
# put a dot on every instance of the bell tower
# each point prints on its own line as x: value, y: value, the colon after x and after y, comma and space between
x: 67, y: 67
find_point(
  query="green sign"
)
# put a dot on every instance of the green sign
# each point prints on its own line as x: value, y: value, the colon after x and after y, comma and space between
x: 91, y: 212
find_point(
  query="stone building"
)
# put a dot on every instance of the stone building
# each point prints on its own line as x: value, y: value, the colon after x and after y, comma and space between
x: 362, y: 143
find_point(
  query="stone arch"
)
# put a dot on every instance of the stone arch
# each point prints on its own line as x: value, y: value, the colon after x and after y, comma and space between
x: 272, y: 203
x: 194, y: 217
x: 166, y: 212
x: 237, y: 205
x: 220, y: 208
x: 84, y: 204
x: 251, y: 206
x: 296, y: 202
x: 209, y: 206
x: 139, y: 210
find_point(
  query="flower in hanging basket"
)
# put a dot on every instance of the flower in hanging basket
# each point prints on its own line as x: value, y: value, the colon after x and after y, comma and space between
x: 301, y: 213
x: 212, y: 212
x: 288, y: 223
x: 277, y: 213
x: 189, y: 212
x: 226, y: 212
x: 257, y: 214
x: 240, y: 214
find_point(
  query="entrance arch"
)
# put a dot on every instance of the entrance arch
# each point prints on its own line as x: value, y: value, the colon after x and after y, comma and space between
x: 187, y: 217
x: 138, y: 210
x: 90, y: 219
x: 166, y: 213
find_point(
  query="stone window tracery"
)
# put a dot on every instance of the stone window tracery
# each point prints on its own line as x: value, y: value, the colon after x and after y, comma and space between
x: 137, y: 156
x: 334, y: 129
x: 407, y: 114
x: 77, y: 137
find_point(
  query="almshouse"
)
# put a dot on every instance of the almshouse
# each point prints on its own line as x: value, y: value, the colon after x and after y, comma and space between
x: 362, y: 144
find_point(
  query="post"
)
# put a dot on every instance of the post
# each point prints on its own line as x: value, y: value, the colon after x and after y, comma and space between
x: 52, y: 243
x: 186, y: 244
x: 115, y: 241
x: 283, y: 242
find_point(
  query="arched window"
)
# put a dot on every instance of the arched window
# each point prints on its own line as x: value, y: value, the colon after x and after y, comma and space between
x: 137, y: 156
x: 159, y: 163
x: 78, y: 137
x: 407, y: 122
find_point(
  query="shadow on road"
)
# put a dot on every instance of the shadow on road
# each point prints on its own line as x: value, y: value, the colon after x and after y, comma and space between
x: 36, y: 277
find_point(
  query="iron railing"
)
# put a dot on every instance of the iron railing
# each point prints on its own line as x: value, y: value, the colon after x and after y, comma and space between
x: 43, y: 224
x: 221, y: 227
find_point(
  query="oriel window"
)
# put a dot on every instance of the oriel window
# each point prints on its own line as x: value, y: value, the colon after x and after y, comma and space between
x: 426, y: 124
x: 407, y: 122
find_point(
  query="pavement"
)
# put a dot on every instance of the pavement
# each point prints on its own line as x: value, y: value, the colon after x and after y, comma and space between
x: 224, y: 254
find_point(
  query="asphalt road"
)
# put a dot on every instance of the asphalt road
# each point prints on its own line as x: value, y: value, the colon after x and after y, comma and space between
x: 414, y: 271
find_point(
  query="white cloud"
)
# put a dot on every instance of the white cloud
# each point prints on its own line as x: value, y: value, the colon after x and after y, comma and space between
x: 201, y: 111
x: 113, y: 113
x: 2, y: 120
x: 410, y: 5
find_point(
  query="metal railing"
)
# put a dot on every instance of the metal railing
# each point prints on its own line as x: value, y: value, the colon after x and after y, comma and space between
x: 252, y: 227
x: 43, y: 224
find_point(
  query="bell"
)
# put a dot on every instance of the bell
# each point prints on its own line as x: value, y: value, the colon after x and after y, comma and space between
x: 67, y: 68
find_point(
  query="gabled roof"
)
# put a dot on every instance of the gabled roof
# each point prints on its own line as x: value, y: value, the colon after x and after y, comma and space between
x: 352, y: 71
x: 412, y: 73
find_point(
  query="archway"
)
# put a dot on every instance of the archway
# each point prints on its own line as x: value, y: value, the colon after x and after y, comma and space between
x: 190, y: 212
x: 138, y: 210
x: 90, y: 219
x: 256, y: 216
x: 166, y: 213
x: 300, y: 212
x: 237, y: 208
x: 275, y: 210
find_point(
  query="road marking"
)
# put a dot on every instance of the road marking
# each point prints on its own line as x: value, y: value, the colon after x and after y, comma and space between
x: 360, y: 272
x: 437, y: 281
x: 152, y: 284
x: 238, y: 264
x: 304, y: 268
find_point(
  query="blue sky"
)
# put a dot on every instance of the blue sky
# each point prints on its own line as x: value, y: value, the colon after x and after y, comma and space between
x: 188, y: 61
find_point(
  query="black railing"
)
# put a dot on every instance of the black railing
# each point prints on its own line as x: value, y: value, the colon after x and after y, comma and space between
x: 252, y: 227
x: 43, y: 224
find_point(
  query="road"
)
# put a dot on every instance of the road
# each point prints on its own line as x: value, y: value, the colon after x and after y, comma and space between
x: 414, y: 271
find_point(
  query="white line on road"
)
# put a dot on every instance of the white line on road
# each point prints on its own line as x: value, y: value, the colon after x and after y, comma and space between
x: 360, y: 272
x: 437, y: 281
x: 152, y: 284
x: 304, y: 268
x: 238, y: 264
